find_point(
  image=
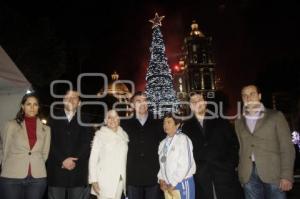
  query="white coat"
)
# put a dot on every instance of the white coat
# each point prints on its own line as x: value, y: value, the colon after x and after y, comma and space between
x: 107, y: 162
x: 179, y: 163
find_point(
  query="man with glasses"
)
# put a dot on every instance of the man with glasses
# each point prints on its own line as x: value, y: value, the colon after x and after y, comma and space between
x: 215, y: 152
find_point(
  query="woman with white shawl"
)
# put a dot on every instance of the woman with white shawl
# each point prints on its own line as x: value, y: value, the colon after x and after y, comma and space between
x: 107, y: 164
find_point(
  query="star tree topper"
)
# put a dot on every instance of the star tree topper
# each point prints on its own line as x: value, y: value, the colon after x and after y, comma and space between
x: 156, y: 21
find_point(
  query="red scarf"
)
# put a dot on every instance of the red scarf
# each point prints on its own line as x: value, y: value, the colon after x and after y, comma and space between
x: 30, y: 123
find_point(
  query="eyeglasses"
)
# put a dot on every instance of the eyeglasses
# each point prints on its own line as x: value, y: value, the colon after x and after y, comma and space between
x: 253, y: 94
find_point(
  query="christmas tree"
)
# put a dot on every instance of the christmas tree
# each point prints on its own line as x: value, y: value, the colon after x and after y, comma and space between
x: 159, y: 85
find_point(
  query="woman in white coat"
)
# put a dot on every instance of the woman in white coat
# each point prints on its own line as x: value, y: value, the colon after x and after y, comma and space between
x: 107, y: 164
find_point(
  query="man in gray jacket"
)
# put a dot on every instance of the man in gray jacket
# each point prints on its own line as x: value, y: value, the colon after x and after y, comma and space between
x: 266, y: 151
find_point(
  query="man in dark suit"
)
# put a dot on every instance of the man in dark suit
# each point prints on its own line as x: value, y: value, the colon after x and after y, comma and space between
x: 215, y: 152
x: 67, y: 165
x: 145, y: 134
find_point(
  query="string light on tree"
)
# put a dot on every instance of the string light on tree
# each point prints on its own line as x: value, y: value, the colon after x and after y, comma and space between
x: 296, y: 139
x: 159, y: 81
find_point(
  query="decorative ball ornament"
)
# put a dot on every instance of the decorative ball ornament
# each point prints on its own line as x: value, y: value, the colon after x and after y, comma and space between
x: 156, y: 21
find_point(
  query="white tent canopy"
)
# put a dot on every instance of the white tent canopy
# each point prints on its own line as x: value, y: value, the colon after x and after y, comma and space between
x: 13, y: 86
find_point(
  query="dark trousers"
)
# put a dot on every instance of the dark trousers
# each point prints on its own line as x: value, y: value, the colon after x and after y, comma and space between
x: 71, y: 193
x: 224, y: 186
x: 27, y: 188
x: 143, y: 192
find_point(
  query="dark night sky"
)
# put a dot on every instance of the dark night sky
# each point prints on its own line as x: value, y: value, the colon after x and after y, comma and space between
x: 253, y: 40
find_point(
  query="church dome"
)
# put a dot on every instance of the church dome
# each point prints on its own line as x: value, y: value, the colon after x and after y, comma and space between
x: 117, y: 89
x: 120, y: 88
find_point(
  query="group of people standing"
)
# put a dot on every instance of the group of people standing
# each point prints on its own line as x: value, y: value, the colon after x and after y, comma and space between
x: 142, y: 157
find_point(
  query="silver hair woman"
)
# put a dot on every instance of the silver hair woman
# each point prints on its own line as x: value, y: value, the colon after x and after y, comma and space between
x: 107, y: 165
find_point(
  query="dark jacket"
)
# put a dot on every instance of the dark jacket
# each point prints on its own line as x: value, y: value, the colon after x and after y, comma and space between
x: 68, y: 139
x: 216, y: 156
x: 142, y: 158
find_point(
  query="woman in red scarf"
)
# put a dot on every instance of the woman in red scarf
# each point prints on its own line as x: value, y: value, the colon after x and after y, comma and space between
x: 24, y: 148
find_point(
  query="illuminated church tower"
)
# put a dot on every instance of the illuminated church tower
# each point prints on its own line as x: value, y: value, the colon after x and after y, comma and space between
x: 197, y: 66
